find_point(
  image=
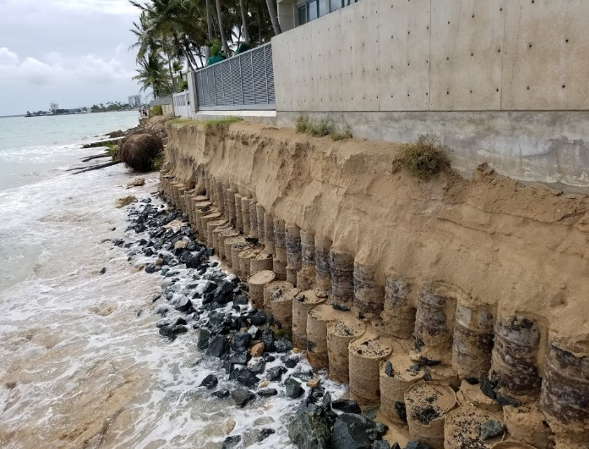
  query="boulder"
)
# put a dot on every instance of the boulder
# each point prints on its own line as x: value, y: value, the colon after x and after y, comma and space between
x: 209, y: 382
x: 309, y: 431
x: 242, y: 396
x: 293, y: 388
x: 351, y: 431
x: 346, y: 406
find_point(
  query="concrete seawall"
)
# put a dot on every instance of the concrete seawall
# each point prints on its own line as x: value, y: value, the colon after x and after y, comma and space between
x: 469, y: 291
x: 499, y: 81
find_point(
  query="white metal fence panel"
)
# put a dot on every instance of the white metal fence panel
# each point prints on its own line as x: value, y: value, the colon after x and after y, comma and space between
x: 245, y: 81
x: 182, y: 104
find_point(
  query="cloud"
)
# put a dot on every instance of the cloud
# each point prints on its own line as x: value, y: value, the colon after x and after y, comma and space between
x: 55, y: 69
x: 7, y: 57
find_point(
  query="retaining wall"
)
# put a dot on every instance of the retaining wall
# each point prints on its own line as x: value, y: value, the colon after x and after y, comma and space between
x: 480, y: 280
x: 467, y: 65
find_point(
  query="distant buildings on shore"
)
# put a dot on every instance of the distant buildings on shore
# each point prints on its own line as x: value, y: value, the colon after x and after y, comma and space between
x: 134, y: 102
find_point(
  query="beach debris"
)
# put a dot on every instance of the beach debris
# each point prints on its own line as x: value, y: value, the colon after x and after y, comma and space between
x: 139, y: 151
x: 137, y: 182
x: 125, y: 201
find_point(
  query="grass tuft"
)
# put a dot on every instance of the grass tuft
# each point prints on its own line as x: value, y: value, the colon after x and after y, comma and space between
x: 321, y: 128
x: 220, y: 126
x: 425, y: 157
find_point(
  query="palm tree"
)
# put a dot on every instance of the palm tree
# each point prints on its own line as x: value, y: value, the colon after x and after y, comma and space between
x: 152, y: 73
x: 242, y: 10
x: 221, y: 30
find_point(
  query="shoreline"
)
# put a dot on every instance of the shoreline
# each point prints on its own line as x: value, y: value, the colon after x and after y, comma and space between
x: 229, y: 328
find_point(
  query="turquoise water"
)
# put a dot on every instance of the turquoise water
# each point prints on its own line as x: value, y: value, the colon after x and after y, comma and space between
x: 30, y: 147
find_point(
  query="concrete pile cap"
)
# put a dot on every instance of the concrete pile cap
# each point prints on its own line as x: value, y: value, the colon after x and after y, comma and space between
x: 472, y: 395
x: 371, y: 346
x: 287, y: 295
x: 346, y: 325
x: 463, y: 428
x: 261, y: 278
x: 309, y: 297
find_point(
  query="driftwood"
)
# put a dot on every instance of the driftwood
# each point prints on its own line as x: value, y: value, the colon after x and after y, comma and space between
x: 97, y: 167
x: 101, y: 143
x: 98, y: 156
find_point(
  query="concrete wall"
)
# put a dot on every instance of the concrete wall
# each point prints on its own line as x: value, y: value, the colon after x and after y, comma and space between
x: 472, y: 56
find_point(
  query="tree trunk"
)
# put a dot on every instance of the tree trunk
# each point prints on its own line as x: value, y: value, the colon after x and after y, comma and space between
x: 209, y: 30
x: 172, y: 76
x: 273, y: 16
x: 221, y: 30
x: 246, y: 36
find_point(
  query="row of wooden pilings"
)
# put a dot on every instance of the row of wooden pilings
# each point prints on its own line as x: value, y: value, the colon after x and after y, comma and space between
x: 393, y: 351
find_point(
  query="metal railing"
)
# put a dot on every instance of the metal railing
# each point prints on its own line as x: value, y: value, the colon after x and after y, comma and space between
x: 245, y: 81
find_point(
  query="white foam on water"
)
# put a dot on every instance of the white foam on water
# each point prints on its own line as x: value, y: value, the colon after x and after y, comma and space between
x: 82, y: 362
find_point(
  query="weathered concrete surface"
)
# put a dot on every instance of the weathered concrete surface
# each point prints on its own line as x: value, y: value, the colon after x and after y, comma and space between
x: 551, y: 147
x: 447, y: 55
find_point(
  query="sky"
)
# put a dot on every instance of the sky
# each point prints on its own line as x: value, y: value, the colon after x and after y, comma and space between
x: 73, y: 52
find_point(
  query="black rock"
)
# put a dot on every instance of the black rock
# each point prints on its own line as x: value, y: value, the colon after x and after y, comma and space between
x: 270, y: 319
x: 415, y: 368
x: 240, y: 341
x: 303, y: 375
x: 222, y: 393
x: 209, y: 382
x: 151, y: 268
x: 504, y: 400
x: 240, y: 300
x: 290, y: 362
x: 204, y: 335
x: 472, y: 380
x: 247, y: 378
x: 491, y: 429
x: 184, y: 305
x: 488, y: 387
x: 380, y: 444
x: 428, y: 362
x: 265, y: 392
x: 388, y: 369
x: 401, y: 411
x: 265, y: 433
x: 218, y: 346
x: 209, y: 287
x: 417, y: 445
x: 258, y: 367
x: 180, y: 321
x: 103, y: 270
x: 242, y: 396
x: 395, y: 446
x: 350, y: 431
x: 283, y: 345
x: 240, y: 358
x: 172, y: 331
x: 293, y: 388
x: 268, y: 340
x: 268, y: 357
x: 257, y: 317
x: 347, y: 406
x: 163, y: 322
x: 338, y: 306
x: 275, y: 373
x: 148, y: 252
x: 231, y: 442
x: 308, y: 430
x: 326, y: 402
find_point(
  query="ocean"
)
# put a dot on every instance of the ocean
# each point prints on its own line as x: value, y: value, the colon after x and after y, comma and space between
x: 83, y: 365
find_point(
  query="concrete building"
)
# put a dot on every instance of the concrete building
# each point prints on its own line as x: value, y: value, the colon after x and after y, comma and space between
x: 498, y: 81
x: 135, y: 101
x: 292, y: 13
x: 53, y: 107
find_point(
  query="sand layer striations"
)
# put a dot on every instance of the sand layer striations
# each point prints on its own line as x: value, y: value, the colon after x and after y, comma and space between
x: 481, y: 282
